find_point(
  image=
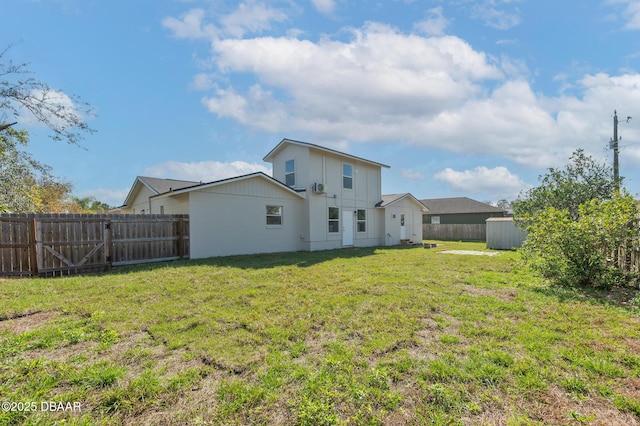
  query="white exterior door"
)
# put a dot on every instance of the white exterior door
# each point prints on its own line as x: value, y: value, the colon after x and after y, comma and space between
x: 403, y: 227
x: 347, y: 227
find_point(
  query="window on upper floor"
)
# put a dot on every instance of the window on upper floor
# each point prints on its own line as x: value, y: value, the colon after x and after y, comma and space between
x: 347, y: 176
x: 274, y: 215
x: 290, y: 172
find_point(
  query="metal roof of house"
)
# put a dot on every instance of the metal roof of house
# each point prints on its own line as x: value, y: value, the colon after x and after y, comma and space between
x: 285, y: 141
x: 458, y: 205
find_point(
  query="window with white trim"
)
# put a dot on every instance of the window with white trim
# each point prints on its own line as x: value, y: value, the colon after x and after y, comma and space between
x: 334, y: 219
x: 274, y: 215
x: 435, y: 220
x: 361, y: 218
x: 290, y: 172
x: 347, y: 176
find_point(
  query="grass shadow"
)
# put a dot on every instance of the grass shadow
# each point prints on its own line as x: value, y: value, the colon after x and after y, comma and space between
x: 624, y: 297
x: 301, y: 259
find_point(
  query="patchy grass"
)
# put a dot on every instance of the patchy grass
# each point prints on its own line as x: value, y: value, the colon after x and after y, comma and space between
x: 363, y: 336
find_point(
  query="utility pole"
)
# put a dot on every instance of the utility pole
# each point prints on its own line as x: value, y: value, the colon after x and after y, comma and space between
x: 613, y: 144
x: 616, y: 151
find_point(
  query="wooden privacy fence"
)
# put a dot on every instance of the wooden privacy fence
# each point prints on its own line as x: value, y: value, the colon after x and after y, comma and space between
x: 60, y: 244
x: 454, y: 232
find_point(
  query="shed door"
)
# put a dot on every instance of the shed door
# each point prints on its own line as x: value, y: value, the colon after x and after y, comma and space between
x: 347, y: 227
x: 403, y: 227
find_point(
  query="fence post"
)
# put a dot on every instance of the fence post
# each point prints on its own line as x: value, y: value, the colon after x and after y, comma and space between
x: 180, y: 235
x: 38, y: 240
x: 33, y: 245
x: 108, y: 242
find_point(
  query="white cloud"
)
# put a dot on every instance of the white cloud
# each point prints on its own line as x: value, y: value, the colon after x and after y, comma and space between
x: 325, y: 7
x: 190, y: 26
x: 58, y: 104
x: 497, y: 182
x: 251, y: 17
x: 411, y: 174
x: 382, y: 85
x: 112, y: 197
x: 495, y: 16
x: 434, y: 24
x: 206, y: 171
x: 369, y: 88
x: 631, y: 14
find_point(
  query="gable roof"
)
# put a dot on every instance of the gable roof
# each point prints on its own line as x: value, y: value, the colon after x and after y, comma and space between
x: 269, y: 157
x: 458, y: 205
x: 389, y: 199
x: 259, y: 175
x: 163, y: 185
x: 156, y: 185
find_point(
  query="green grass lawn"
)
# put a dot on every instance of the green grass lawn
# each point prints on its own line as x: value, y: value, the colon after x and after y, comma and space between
x: 359, y: 336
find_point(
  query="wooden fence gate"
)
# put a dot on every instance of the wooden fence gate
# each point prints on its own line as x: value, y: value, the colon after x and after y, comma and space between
x: 61, y: 244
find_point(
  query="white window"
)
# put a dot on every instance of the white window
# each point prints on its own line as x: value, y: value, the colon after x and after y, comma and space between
x: 435, y: 220
x: 347, y: 176
x: 334, y: 219
x: 290, y: 172
x: 361, y: 217
x: 274, y: 215
x: 161, y: 209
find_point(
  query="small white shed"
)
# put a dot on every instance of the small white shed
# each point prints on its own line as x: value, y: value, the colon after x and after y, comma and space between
x: 503, y: 234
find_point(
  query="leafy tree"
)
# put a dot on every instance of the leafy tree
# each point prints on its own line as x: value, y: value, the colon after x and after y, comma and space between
x: 584, y: 251
x: 89, y: 205
x: 27, y: 185
x: 581, y: 181
x: 18, y: 173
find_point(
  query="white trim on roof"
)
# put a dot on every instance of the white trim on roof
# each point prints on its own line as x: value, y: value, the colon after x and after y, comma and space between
x: 133, y: 187
x: 269, y: 156
x: 206, y: 185
x: 400, y: 197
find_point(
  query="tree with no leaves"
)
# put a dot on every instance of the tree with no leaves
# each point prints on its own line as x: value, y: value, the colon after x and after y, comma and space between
x: 25, y: 99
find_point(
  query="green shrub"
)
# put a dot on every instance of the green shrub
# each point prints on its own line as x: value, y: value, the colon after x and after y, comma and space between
x: 583, y: 251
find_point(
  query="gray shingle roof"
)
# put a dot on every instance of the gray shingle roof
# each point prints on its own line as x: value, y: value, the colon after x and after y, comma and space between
x: 455, y: 205
x: 160, y: 186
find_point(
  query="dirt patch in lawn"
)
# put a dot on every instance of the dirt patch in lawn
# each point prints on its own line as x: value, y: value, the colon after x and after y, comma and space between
x: 470, y: 252
x: 27, y: 322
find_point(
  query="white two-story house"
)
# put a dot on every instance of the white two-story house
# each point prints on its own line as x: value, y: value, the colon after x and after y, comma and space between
x: 317, y: 199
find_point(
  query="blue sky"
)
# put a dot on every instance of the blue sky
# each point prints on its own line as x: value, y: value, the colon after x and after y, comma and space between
x: 460, y: 98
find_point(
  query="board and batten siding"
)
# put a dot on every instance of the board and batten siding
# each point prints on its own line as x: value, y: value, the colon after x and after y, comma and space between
x: 413, y: 222
x: 140, y: 202
x: 164, y: 204
x: 230, y: 219
x: 326, y: 168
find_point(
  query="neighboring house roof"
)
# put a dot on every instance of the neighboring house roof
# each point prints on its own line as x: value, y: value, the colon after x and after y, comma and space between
x: 458, y: 205
x: 390, y: 199
x: 156, y: 185
x: 258, y: 175
x: 268, y: 158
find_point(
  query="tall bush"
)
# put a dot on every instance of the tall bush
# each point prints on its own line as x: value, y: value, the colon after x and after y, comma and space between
x: 583, y: 251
